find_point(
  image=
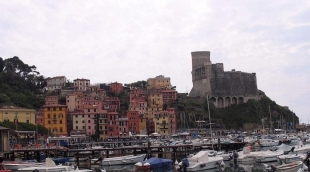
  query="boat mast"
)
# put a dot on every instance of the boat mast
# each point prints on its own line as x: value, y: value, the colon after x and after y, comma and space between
x: 270, y: 120
x: 210, y: 120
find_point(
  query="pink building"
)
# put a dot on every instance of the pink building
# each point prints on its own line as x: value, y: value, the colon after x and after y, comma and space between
x: 81, y: 84
x: 51, y: 100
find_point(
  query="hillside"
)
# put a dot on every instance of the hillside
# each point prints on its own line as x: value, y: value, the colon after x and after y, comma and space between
x: 21, y: 85
x: 233, y: 117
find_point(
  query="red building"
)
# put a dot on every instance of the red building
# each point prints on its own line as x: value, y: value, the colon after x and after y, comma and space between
x: 39, y: 117
x: 116, y: 87
x: 113, y: 104
x: 133, y: 122
x: 169, y: 95
x: 113, y: 124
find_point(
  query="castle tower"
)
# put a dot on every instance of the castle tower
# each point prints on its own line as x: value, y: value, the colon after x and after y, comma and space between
x: 224, y: 88
x: 201, y: 73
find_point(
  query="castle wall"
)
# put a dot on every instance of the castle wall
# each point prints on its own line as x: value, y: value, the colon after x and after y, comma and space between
x: 234, y: 83
x: 226, y: 87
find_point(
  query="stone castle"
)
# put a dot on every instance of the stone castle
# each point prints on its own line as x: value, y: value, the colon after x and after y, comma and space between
x: 224, y: 88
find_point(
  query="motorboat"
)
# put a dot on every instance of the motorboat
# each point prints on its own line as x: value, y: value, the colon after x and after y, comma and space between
x: 268, y: 156
x: 291, y: 167
x: 153, y: 163
x: 130, y: 159
x: 285, y: 159
x: 49, y: 166
x: 15, y: 165
x: 268, y: 142
x: 201, y: 161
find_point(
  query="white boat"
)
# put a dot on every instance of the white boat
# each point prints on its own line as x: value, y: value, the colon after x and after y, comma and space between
x: 268, y: 142
x: 202, y: 161
x: 50, y: 166
x: 291, y: 167
x: 285, y: 159
x: 15, y: 165
x: 130, y: 159
x: 268, y: 156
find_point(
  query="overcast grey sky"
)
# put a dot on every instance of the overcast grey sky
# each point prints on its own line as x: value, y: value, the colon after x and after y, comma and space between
x: 127, y: 41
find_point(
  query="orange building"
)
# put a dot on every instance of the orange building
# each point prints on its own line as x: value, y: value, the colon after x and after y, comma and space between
x: 55, y: 119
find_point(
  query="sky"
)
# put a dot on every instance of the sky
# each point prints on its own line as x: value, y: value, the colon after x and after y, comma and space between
x: 129, y: 41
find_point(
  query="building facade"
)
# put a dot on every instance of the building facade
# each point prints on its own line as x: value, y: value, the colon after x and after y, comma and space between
x: 17, y: 114
x: 55, y: 119
x: 116, y: 87
x: 57, y: 82
x: 81, y: 84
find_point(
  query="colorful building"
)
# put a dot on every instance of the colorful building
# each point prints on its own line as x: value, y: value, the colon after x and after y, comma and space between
x: 57, y: 82
x: 81, y: 84
x: 133, y: 122
x: 159, y: 82
x: 55, y: 119
x: 17, y: 114
x: 116, y: 87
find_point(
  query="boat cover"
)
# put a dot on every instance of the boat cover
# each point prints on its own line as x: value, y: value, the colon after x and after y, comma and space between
x: 199, y: 157
x: 284, y: 147
x: 158, y: 162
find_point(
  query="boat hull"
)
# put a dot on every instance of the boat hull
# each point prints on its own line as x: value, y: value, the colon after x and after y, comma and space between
x: 211, y: 164
x: 121, y: 160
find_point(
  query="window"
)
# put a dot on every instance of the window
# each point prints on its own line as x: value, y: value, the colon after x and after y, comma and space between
x: 83, y: 121
x: 60, y: 122
x: 48, y: 116
x: 76, y: 122
x: 27, y: 121
x: 60, y: 130
x: 54, y: 108
x: 83, y: 127
x: 76, y: 127
x: 88, y: 121
x: 49, y: 122
x: 88, y: 127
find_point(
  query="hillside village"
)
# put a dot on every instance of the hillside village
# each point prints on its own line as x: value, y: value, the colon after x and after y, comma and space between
x: 88, y: 110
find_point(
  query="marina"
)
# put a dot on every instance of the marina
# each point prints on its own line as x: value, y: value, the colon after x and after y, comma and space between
x: 116, y: 156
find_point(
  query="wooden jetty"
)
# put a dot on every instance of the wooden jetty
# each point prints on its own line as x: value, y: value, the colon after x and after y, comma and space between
x: 34, y: 152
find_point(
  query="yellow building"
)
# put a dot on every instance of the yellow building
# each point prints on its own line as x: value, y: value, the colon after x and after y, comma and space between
x: 55, y: 119
x: 164, y: 122
x: 159, y: 82
x: 10, y: 113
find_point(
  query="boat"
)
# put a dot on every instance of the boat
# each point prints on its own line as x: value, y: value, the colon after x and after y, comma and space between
x: 15, y: 165
x: 201, y: 161
x: 49, y: 166
x: 285, y: 159
x: 130, y: 159
x: 268, y: 142
x: 291, y: 167
x: 268, y: 156
x: 153, y: 163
